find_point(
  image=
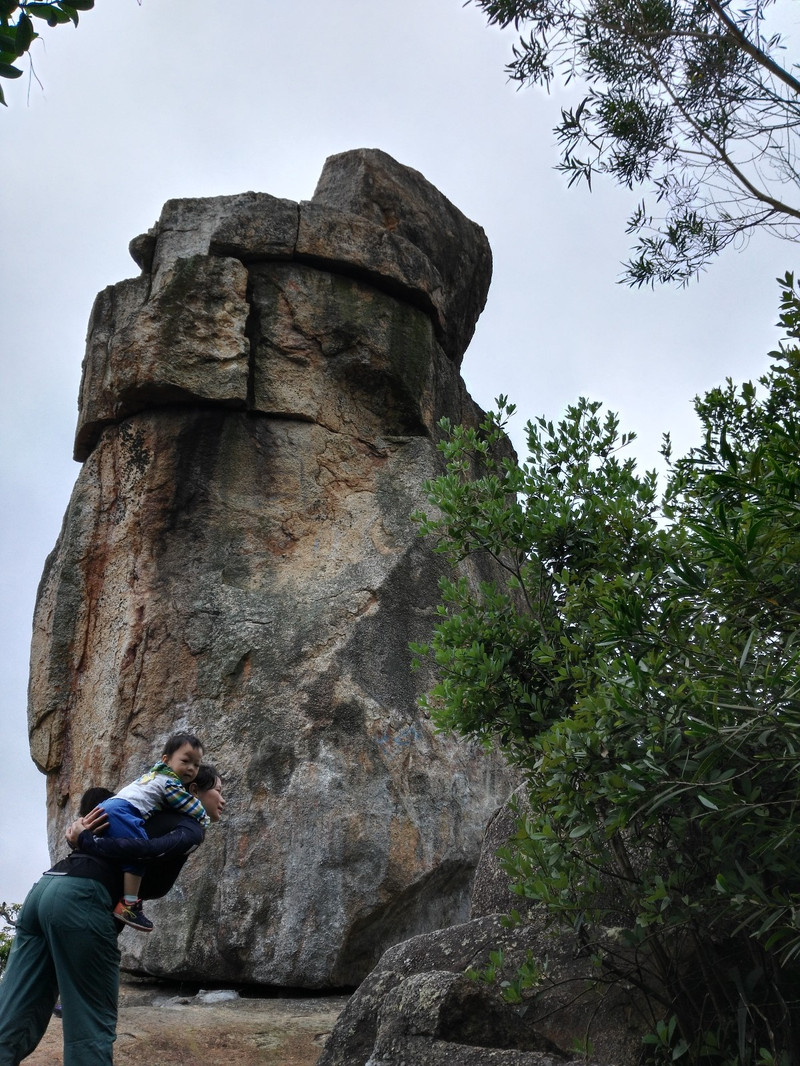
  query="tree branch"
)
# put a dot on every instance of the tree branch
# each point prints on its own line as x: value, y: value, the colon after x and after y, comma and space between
x: 746, y: 45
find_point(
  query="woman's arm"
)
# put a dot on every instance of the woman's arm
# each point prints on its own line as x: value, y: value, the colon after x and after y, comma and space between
x: 178, y: 841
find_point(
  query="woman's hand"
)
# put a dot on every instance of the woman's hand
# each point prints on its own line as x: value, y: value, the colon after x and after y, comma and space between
x: 96, y: 821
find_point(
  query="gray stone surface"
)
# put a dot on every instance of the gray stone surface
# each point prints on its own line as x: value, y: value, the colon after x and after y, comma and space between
x: 400, y: 200
x: 492, y: 891
x: 442, y: 1017
x: 238, y: 559
x: 185, y: 344
x: 417, y: 1006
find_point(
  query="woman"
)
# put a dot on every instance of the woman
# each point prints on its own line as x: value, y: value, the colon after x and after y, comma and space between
x: 66, y: 936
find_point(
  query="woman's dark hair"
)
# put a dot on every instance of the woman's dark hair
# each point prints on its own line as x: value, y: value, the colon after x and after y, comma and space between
x: 92, y: 797
x: 178, y: 740
x: 206, y: 777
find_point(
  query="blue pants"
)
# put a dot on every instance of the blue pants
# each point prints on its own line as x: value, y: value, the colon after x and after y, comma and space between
x: 124, y: 820
x: 65, y: 942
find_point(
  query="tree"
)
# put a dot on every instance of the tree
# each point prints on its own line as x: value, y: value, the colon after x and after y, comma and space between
x: 8, y: 917
x: 686, y: 97
x: 17, y: 32
x: 641, y: 665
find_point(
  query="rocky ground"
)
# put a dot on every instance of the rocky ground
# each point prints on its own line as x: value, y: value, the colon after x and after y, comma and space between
x: 161, y: 1028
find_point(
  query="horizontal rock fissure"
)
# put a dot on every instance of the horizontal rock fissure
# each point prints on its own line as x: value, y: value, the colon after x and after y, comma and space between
x: 414, y: 297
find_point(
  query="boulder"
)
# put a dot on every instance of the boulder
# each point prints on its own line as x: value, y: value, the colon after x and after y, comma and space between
x: 258, y: 414
x: 187, y: 343
x: 432, y: 1000
x: 438, y: 996
x: 492, y: 890
x: 401, y: 201
x: 443, y: 1019
x: 187, y: 331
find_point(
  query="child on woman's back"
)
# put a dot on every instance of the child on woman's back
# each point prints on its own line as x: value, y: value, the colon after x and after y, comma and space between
x: 164, y: 785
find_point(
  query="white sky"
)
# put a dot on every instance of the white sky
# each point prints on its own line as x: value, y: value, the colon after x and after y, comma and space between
x: 200, y: 98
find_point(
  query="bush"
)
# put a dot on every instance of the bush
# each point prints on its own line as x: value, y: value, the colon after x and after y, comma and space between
x: 8, y: 915
x: 640, y: 664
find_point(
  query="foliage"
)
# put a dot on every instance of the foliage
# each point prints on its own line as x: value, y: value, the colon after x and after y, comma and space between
x: 639, y: 660
x: 17, y: 28
x: 514, y: 985
x: 8, y: 915
x: 687, y: 97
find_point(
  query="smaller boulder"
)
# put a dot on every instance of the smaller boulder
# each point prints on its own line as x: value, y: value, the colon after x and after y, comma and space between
x: 423, y: 1003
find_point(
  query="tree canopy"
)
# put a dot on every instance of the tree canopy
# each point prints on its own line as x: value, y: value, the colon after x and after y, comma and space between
x: 18, y: 29
x: 640, y: 663
x: 693, y: 99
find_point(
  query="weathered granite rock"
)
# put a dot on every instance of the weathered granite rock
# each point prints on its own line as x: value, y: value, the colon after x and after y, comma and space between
x: 492, y: 892
x: 258, y: 414
x: 184, y: 344
x: 418, y: 1007
x: 444, y: 1018
x: 423, y: 1006
x: 164, y: 338
x: 402, y: 202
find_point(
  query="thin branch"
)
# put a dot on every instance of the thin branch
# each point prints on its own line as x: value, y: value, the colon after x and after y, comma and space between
x: 744, y: 42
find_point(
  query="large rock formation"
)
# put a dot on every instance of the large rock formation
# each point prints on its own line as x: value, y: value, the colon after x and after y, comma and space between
x: 257, y: 416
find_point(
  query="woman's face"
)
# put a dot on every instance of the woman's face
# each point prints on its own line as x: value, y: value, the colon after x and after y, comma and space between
x: 212, y: 799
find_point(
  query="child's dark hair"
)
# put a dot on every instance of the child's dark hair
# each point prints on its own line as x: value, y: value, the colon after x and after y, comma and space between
x: 206, y: 777
x: 177, y: 740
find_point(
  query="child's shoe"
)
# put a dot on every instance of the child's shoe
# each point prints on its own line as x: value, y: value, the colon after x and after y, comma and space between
x: 133, y: 915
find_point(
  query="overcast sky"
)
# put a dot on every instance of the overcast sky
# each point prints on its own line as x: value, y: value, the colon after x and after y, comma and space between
x: 199, y: 98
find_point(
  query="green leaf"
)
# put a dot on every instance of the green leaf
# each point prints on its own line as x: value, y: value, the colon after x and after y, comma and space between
x: 746, y: 650
x: 51, y: 13
x: 7, y: 71
x: 25, y: 34
x: 70, y: 11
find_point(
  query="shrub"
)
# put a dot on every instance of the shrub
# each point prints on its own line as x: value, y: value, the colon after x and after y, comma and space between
x: 640, y: 664
x: 8, y: 915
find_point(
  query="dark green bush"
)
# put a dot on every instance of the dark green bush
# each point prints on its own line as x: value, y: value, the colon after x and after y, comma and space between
x: 641, y: 663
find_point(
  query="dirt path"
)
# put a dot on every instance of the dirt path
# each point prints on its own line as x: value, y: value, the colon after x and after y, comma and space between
x: 159, y: 1028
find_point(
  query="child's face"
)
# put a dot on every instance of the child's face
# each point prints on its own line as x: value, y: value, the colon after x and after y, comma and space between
x: 185, y: 762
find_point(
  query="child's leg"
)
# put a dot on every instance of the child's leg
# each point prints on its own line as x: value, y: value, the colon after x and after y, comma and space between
x: 125, y: 821
x: 132, y: 882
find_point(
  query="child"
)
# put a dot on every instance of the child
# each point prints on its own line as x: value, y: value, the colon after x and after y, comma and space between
x: 163, y: 786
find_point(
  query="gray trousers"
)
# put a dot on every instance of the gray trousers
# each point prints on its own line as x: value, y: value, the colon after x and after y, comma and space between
x: 65, y: 943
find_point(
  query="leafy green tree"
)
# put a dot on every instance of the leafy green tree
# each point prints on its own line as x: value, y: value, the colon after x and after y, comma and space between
x: 692, y: 98
x: 8, y: 915
x: 640, y: 663
x: 18, y: 32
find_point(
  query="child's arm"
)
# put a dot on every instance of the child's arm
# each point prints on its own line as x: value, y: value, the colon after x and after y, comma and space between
x: 177, y: 798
